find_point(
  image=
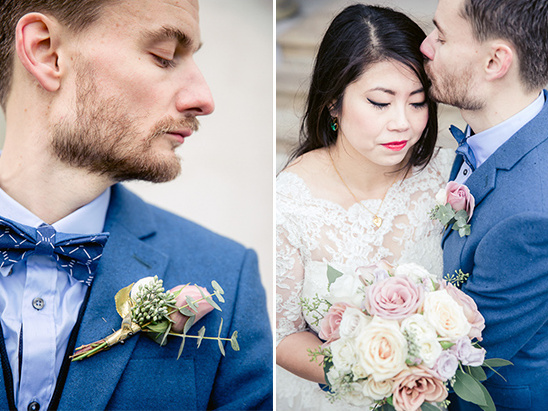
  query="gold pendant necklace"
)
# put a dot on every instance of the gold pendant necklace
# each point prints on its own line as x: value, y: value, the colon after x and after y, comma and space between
x: 376, y: 219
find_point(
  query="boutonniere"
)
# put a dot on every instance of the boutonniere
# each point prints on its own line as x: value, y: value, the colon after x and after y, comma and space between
x: 145, y: 306
x: 455, y: 206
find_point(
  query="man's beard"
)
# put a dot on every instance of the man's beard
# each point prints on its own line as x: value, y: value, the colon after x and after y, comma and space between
x: 454, y: 89
x: 104, y: 139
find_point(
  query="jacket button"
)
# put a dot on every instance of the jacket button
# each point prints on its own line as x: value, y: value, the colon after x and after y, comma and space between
x: 33, y: 406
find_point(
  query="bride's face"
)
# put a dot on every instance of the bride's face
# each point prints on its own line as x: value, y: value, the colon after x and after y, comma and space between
x: 383, y: 114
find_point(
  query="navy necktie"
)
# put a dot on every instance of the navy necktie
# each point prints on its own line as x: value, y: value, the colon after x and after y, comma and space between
x: 77, y: 254
x: 463, y: 149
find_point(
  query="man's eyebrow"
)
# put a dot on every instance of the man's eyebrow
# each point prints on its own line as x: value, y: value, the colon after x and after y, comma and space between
x: 168, y: 33
x: 438, y: 26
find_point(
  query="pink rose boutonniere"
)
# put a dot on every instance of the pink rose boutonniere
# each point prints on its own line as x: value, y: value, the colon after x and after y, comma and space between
x: 145, y: 307
x: 455, y: 206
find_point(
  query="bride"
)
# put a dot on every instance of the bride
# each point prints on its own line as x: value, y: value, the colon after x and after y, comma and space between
x: 360, y: 186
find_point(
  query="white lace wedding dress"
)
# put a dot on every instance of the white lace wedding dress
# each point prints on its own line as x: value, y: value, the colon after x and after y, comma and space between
x: 311, y: 232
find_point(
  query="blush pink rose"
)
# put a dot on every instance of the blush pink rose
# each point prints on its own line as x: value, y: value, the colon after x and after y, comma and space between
x: 471, y: 311
x: 394, y: 298
x: 203, y: 306
x: 415, y: 385
x: 329, y: 326
x: 460, y: 198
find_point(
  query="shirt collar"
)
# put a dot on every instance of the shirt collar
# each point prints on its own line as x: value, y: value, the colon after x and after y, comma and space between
x: 487, y: 142
x: 88, y: 219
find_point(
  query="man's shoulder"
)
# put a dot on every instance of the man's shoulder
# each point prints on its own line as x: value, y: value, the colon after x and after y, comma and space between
x: 166, y: 228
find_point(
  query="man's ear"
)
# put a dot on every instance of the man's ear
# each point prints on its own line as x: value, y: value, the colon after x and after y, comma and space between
x: 36, y: 42
x: 501, y: 58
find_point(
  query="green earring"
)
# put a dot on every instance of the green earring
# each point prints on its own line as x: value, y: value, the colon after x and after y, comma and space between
x: 334, y: 124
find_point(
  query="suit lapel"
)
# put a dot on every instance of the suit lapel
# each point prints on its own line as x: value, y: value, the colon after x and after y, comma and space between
x: 127, y: 258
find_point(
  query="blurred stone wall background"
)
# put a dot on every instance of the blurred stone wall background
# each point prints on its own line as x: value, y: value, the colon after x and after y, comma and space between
x: 227, y: 180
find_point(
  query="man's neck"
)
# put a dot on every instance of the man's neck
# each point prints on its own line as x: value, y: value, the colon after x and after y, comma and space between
x: 48, y: 189
x: 498, y: 108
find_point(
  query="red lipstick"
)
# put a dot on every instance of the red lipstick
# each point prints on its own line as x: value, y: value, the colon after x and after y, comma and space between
x: 396, y: 145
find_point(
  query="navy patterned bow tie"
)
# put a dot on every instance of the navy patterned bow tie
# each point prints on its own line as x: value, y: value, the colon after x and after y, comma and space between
x: 463, y: 149
x: 76, y: 254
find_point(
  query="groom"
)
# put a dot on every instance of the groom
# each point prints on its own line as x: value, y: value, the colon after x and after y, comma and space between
x: 96, y: 92
x: 490, y: 59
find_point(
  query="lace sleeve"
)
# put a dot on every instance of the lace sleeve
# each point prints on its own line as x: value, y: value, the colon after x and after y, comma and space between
x: 289, y: 274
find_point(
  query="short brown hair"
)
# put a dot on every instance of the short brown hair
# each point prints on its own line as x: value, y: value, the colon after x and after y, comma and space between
x: 75, y: 14
x: 523, y: 23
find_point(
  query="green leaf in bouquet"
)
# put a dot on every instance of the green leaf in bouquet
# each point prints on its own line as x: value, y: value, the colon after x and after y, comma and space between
x: 477, y: 373
x: 468, y: 388
x: 183, y: 339
x: 445, y: 214
x: 426, y: 406
x: 496, y: 362
x: 234, y: 341
x: 463, y: 231
x: 490, y: 406
x: 386, y: 407
x: 158, y: 327
x: 201, y: 334
x: 446, y: 344
x: 461, y: 218
x: 332, y: 275
x: 189, y: 323
x: 217, y: 287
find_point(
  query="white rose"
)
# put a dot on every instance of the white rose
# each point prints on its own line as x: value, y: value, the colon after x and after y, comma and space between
x: 417, y: 327
x: 348, y: 289
x: 378, y: 390
x: 358, y: 371
x: 334, y: 377
x: 142, y: 282
x: 430, y: 350
x: 355, y: 395
x: 352, y: 322
x: 446, y: 315
x: 441, y: 197
x: 344, y: 355
x: 423, y: 338
x: 417, y: 273
x: 382, y: 349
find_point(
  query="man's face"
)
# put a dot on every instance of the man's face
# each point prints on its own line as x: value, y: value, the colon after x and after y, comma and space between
x: 453, y: 58
x: 136, y: 91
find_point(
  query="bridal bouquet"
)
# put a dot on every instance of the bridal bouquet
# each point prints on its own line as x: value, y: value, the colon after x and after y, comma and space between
x: 400, y: 340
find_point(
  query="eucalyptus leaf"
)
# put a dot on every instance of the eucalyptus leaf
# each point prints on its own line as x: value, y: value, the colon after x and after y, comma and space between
x: 468, y: 388
x: 189, y: 323
x: 461, y: 217
x: 332, y: 275
x: 182, y: 346
x: 234, y: 341
x: 201, y: 334
x: 221, y: 347
x: 464, y: 230
x: 217, y: 287
x: 158, y: 327
x: 164, y: 337
x: 445, y: 214
x: 187, y: 311
x: 213, y: 303
x: 387, y: 407
x: 191, y: 303
x: 496, y: 362
x: 219, y: 297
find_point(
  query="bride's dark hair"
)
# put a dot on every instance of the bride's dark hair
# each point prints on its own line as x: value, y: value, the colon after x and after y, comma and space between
x: 357, y: 38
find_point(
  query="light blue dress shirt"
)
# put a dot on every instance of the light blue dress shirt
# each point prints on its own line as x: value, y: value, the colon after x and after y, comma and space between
x: 487, y: 142
x: 42, y: 301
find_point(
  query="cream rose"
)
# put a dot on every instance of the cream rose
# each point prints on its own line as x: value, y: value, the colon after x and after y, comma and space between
x: 356, y: 396
x: 347, y: 288
x: 423, y: 338
x: 446, y: 315
x: 418, y: 274
x: 382, y: 349
x: 378, y: 390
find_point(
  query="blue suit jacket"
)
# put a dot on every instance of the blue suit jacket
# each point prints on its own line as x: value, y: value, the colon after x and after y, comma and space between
x: 507, y: 257
x: 147, y: 241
